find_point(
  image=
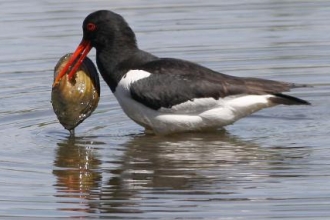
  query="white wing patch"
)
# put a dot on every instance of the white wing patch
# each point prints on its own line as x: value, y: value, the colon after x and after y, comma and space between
x: 131, y: 77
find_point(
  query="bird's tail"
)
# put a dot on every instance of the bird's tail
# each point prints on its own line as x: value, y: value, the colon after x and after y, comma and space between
x: 287, y: 100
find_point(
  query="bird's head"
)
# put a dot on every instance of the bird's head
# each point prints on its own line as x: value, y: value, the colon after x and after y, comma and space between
x: 103, y: 30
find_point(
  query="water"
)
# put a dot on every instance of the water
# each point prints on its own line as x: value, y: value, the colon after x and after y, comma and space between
x: 274, y: 164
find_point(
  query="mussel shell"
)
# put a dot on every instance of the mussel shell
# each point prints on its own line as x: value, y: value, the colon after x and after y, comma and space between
x: 74, y: 101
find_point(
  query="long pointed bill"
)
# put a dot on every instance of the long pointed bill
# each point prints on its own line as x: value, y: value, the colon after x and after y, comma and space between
x: 76, y: 60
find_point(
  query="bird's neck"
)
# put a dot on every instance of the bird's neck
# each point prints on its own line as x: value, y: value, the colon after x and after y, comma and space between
x: 113, y: 63
x: 108, y: 59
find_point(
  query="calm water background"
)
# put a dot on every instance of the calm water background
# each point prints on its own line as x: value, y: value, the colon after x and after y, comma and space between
x: 274, y: 164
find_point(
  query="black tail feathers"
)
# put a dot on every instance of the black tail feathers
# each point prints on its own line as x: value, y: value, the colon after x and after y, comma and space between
x: 287, y: 100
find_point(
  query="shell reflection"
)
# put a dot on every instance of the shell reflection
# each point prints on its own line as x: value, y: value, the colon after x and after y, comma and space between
x: 74, y: 101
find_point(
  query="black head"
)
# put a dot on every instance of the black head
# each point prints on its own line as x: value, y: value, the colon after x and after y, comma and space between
x: 105, y: 29
x: 108, y: 32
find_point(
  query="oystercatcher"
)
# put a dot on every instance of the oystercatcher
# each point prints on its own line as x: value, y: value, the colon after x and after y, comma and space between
x: 166, y: 95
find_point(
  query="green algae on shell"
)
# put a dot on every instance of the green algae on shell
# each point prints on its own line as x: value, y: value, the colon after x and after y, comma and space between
x: 74, y: 100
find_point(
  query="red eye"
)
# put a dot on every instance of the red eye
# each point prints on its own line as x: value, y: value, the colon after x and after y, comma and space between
x: 91, y: 27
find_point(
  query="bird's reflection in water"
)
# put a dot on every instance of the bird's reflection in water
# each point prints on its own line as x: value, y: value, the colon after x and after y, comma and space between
x: 209, y: 164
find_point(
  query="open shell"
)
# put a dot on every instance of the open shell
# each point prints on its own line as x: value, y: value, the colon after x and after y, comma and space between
x: 74, y: 101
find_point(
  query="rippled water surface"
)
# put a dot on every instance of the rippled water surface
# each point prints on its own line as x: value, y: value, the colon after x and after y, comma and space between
x: 273, y: 164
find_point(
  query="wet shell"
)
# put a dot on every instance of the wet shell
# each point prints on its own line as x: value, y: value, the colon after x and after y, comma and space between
x: 74, y: 101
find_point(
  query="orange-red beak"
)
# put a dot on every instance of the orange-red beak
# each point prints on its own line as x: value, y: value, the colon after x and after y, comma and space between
x: 75, y: 61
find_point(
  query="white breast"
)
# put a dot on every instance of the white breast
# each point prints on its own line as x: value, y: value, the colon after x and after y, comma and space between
x: 133, y: 109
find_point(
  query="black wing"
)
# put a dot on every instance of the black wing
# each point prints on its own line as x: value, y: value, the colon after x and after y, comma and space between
x: 174, y: 81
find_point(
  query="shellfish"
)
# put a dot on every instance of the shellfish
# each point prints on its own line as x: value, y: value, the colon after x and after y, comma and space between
x: 74, y: 100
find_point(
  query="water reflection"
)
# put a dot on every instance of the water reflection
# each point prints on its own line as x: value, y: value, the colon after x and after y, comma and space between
x: 77, y: 171
x: 203, y: 166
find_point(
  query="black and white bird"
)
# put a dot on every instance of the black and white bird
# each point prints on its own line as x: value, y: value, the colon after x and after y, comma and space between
x: 166, y: 95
